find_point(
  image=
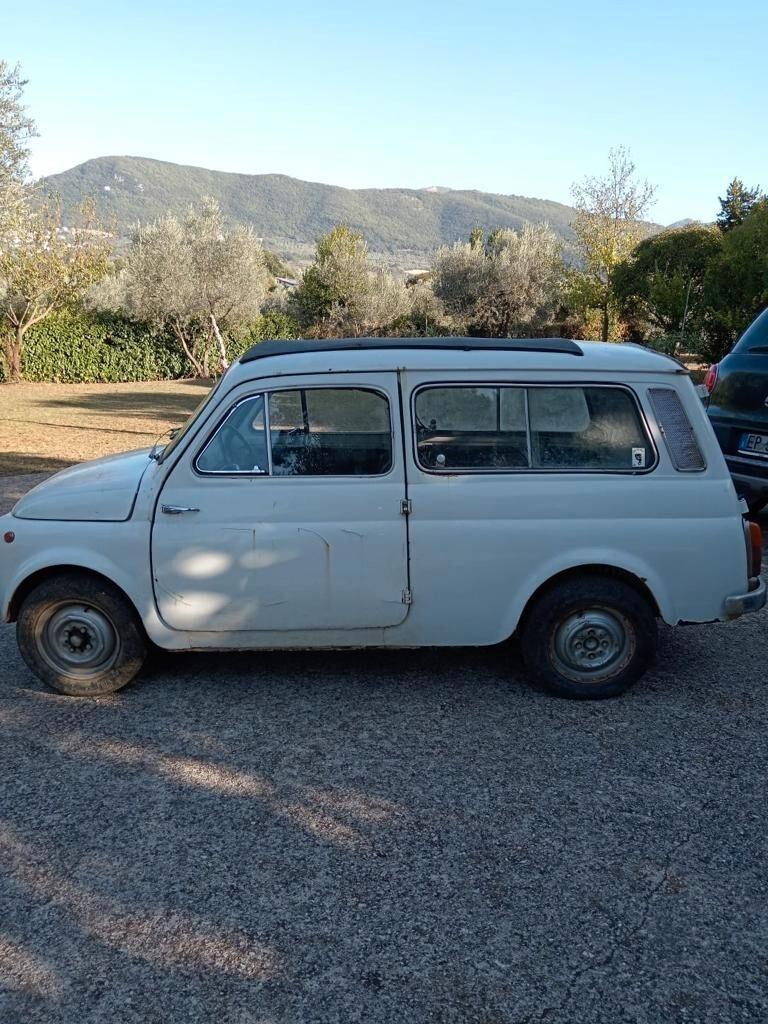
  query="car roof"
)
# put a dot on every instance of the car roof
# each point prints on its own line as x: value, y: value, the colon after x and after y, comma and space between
x: 373, y: 354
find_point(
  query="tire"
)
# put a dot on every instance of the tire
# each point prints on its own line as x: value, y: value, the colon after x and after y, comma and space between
x: 79, y: 634
x: 589, y: 638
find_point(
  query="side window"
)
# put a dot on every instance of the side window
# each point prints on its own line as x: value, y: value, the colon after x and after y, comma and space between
x: 546, y: 428
x: 471, y: 428
x: 587, y: 428
x: 239, y: 444
x: 330, y: 432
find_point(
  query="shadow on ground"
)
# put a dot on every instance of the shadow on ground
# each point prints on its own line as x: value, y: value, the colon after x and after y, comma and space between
x: 24, y: 463
x: 136, y: 404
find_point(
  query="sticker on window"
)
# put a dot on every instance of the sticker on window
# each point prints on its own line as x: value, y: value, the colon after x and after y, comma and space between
x: 638, y: 458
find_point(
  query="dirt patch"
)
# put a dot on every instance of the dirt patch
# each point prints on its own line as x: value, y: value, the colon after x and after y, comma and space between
x: 47, y: 427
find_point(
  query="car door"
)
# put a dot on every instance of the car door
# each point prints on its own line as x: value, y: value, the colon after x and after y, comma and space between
x: 286, y: 515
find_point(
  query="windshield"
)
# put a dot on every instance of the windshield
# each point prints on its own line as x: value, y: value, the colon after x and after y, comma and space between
x: 181, y: 431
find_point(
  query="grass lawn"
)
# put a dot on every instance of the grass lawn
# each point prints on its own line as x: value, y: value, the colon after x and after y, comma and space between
x: 46, y: 427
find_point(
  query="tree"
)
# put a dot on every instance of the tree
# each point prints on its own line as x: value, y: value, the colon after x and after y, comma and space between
x: 736, y: 283
x: 45, y: 266
x: 194, y: 278
x: 608, y: 225
x: 332, y: 288
x: 340, y: 294
x: 16, y: 129
x: 738, y: 201
x: 507, y: 286
x: 661, y: 286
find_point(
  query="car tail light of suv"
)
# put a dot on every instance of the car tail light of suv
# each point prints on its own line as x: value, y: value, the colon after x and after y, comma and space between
x: 711, y: 379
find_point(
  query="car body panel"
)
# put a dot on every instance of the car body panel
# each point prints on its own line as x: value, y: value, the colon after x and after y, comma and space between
x: 103, y: 490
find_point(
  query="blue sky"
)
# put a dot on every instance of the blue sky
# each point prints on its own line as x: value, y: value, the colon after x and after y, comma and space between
x: 499, y: 96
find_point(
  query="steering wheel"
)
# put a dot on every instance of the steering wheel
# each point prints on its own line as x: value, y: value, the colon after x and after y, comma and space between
x: 236, y: 449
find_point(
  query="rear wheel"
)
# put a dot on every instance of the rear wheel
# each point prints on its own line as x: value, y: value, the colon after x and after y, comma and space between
x: 81, y: 635
x: 589, y: 638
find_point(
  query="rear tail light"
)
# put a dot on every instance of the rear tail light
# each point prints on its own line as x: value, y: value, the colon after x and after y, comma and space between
x: 711, y: 379
x: 756, y: 549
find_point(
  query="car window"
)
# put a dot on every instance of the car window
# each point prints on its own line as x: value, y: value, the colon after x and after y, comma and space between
x: 471, y: 428
x: 512, y: 428
x: 586, y: 428
x: 330, y: 431
x: 239, y: 444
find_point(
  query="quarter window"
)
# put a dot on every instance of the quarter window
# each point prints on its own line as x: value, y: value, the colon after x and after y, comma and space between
x: 544, y: 428
x: 239, y: 444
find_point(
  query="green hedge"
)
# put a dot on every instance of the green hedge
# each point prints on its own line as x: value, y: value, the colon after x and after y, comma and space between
x: 78, y: 347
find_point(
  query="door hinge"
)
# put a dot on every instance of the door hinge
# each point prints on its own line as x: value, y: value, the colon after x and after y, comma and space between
x: 406, y: 506
x: 407, y: 597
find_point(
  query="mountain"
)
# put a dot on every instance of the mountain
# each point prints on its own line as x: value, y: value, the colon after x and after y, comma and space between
x: 401, y: 225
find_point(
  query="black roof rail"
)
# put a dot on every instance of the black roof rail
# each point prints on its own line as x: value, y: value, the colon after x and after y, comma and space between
x: 559, y: 346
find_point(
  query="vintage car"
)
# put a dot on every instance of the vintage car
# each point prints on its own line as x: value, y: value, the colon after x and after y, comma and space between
x: 395, y: 493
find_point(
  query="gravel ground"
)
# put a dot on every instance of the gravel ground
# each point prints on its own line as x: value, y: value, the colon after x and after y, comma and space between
x: 386, y: 837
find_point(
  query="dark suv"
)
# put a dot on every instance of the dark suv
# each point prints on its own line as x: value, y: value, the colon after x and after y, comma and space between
x: 738, y: 409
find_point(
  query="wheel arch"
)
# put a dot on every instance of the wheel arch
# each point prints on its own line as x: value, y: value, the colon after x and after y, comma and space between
x: 27, y: 585
x: 637, y: 583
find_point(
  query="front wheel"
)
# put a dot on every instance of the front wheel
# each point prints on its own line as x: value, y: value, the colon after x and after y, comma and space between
x: 81, y: 635
x: 589, y: 638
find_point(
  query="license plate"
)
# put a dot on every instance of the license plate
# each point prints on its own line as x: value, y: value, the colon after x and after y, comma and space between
x: 754, y: 444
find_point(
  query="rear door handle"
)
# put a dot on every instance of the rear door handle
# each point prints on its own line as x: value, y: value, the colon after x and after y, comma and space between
x: 177, y: 510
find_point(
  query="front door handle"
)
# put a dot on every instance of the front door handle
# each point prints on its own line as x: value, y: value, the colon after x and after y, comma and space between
x: 177, y: 510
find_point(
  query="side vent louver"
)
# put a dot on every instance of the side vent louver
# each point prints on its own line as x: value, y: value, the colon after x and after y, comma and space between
x: 678, y: 433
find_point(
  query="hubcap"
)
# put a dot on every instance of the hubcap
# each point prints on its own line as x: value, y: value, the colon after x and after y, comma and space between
x: 592, y: 645
x: 78, y: 640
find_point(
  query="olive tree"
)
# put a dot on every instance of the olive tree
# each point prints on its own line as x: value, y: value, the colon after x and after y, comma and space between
x: 16, y: 129
x: 194, y: 277
x: 45, y: 266
x: 340, y: 294
x: 508, y: 285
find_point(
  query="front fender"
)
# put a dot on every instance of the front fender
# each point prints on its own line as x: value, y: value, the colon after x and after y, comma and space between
x: 118, y: 552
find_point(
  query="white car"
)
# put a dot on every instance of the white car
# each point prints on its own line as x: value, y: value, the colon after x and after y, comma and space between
x: 395, y: 493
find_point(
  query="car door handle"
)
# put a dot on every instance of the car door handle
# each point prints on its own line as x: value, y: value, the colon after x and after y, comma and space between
x: 177, y: 510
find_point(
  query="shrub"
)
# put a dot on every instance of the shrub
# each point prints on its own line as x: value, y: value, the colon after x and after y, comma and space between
x: 273, y: 324
x: 74, y: 346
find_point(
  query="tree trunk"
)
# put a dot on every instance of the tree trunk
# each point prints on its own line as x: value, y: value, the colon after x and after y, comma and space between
x: 12, y: 352
x: 194, y: 363
x: 606, y: 323
x: 223, y: 361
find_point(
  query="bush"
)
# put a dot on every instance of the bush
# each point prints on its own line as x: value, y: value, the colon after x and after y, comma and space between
x: 78, y: 347
x: 273, y: 324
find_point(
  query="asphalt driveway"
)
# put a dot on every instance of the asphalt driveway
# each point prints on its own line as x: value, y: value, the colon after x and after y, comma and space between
x: 291, y: 838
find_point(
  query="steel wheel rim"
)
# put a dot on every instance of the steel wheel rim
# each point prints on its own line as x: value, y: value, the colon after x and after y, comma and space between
x: 592, y: 644
x: 78, y: 639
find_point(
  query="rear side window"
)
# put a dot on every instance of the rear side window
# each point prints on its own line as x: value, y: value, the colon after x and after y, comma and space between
x: 471, y: 428
x: 587, y: 428
x: 678, y: 433
x: 542, y: 428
